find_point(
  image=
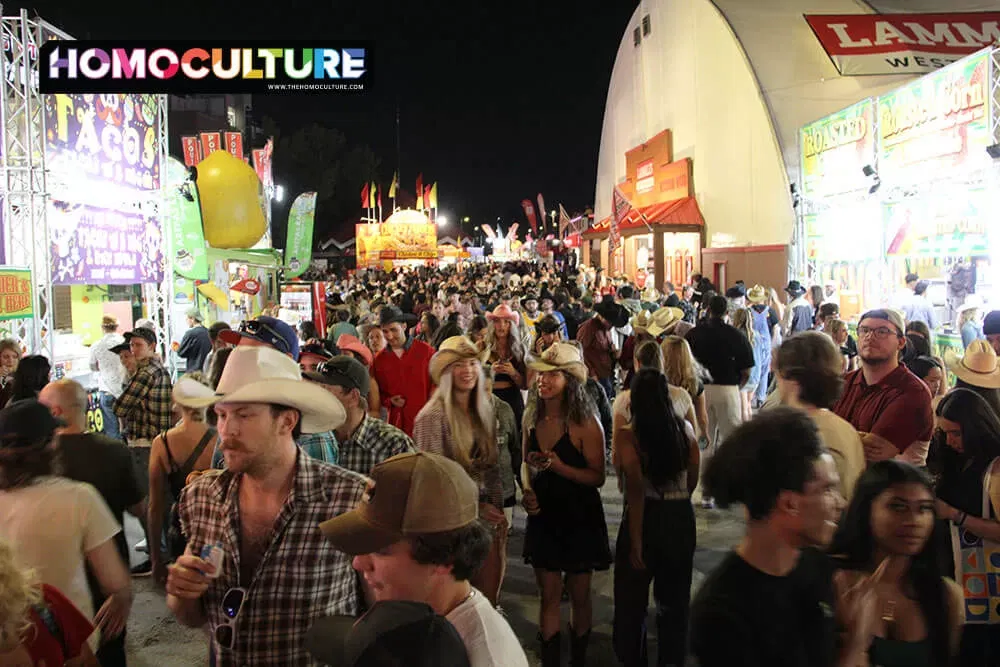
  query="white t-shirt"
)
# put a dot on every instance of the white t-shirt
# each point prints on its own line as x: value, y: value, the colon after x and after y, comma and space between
x: 487, y: 635
x: 52, y: 524
x: 679, y: 398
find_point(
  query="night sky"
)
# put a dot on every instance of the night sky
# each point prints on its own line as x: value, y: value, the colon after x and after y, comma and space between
x: 498, y: 100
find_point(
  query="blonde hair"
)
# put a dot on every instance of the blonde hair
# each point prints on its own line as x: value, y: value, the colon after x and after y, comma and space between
x: 743, y: 321
x: 18, y: 592
x: 472, y: 427
x: 967, y: 315
x: 680, y: 366
x: 836, y: 328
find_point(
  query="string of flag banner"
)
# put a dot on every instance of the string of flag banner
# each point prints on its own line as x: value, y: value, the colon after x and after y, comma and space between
x: 197, y: 148
x: 371, y: 197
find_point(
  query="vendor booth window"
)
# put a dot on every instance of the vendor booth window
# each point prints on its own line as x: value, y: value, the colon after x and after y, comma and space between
x: 646, y: 27
x: 636, y: 37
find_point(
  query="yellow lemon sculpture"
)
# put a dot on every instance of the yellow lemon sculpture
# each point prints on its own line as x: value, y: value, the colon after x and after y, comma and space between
x: 230, y: 202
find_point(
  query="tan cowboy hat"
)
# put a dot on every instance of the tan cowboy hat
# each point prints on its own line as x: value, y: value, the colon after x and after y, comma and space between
x: 664, y: 320
x: 650, y: 293
x: 977, y: 367
x: 641, y: 321
x: 264, y: 375
x: 456, y: 348
x: 757, y: 294
x: 564, y: 357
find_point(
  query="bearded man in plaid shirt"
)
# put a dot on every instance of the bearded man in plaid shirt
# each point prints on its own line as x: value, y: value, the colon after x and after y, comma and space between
x: 278, y: 574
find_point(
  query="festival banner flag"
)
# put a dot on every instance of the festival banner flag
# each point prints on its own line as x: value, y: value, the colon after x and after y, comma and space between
x: 258, y: 163
x: 427, y: 197
x: 620, y: 208
x: 433, y: 202
x: 372, y: 195
x: 378, y: 197
x: 234, y: 144
x: 529, y: 212
x: 420, y: 192
x: 268, y: 161
x: 192, y: 155
x: 541, y: 209
x: 210, y: 142
x: 365, y: 198
x: 298, y: 247
x: 394, y: 186
x: 187, y: 235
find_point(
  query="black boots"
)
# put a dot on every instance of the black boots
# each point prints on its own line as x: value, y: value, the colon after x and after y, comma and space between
x: 578, y: 648
x: 551, y: 650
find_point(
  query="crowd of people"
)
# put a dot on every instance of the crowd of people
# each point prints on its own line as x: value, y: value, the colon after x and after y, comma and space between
x: 348, y: 499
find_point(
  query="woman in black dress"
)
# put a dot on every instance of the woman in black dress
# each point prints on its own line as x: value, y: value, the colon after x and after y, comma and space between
x: 566, y: 532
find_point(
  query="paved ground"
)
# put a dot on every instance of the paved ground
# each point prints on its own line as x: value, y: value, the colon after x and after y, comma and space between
x: 156, y: 640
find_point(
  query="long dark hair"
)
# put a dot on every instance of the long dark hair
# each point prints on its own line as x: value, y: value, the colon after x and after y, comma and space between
x: 980, y: 427
x: 660, y: 439
x: 31, y: 375
x: 854, y: 548
x: 991, y: 396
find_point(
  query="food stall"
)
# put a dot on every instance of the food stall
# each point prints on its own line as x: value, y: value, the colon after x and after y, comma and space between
x: 904, y: 184
x: 406, y: 238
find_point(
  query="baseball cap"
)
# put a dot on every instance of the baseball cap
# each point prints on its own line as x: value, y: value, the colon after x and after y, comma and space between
x: 409, y: 494
x: 268, y: 330
x: 341, y: 371
x: 887, y: 314
x: 118, y: 349
x: 316, y: 350
x: 147, y: 335
x: 991, y: 323
x: 392, y: 632
x: 27, y: 423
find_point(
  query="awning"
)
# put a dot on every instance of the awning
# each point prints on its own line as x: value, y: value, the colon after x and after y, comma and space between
x: 672, y: 213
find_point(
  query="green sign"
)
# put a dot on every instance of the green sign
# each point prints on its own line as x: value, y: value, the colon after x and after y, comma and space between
x: 298, y: 248
x: 188, y: 248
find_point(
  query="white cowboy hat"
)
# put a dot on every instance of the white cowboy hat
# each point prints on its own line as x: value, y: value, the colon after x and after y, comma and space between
x: 641, y: 321
x: 454, y: 349
x: 757, y: 294
x: 564, y: 357
x: 264, y: 375
x: 977, y: 367
x: 664, y: 320
x: 972, y: 302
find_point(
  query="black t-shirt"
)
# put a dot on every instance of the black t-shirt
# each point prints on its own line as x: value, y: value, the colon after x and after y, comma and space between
x: 107, y: 465
x: 743, y: 617
x: 772, y: 318
x: 722, y: 349
x: 851, y: 348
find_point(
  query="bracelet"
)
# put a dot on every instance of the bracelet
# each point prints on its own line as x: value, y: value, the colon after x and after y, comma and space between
x: 962, y: 516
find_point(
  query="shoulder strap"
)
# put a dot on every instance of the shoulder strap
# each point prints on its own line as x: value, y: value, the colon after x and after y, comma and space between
x: 191, y: 460
x: 51, y: 624
x: 170, y: 456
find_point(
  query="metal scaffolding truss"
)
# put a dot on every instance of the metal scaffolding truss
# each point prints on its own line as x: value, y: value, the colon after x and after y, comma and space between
x: 27, y: 184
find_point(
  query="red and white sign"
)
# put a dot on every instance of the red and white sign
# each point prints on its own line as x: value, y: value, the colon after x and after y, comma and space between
x: 861, y: 44
x: 190, y: 147
x: 210, y: 142
x: 234, y: 144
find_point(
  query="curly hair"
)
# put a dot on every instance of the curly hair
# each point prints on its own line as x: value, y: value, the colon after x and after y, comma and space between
x: 18, y: 592
x: 578, y: 406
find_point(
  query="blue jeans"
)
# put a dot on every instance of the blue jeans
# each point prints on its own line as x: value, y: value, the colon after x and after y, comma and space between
x: 111, y: 428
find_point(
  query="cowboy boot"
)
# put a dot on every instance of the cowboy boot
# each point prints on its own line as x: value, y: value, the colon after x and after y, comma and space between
x: 551, y: 650
x: 578, y: 648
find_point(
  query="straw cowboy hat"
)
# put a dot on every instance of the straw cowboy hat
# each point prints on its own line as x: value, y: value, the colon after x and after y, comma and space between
x: 456, y: 348
x: 264, y: 375
x: 641, y: 321
x: 663, y: 320
x: 504, y: 312
x: 650, y: 294
x: 564, y: 357
x: 757, y: 294
x: 977, y: 367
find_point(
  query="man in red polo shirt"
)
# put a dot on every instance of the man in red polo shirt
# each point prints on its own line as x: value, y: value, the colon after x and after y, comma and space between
x: 884, y: 401
x: 401, y: 369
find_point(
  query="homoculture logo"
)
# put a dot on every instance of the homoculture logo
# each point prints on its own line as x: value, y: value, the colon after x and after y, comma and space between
x: 69, y: 66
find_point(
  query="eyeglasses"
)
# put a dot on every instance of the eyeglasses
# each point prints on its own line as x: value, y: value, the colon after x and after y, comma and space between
x: 256, y: 328
x: 881, y: 333
x: 232, y: 604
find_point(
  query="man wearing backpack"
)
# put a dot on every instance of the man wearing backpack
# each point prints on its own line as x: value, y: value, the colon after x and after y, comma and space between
x: 105, y: 464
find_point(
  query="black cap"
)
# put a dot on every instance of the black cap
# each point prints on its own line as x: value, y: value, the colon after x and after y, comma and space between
x: 342, y: 371
x: 316, y: 350
x: 27, y: 423
x: 547, y: 325
x: 118, y: 349
x: 396, y: 632
x: 147, y: 335
x: 991, y: 323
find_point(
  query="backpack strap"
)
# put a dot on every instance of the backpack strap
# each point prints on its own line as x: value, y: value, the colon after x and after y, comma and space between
x: 51, y: 624
x: 193, y: 458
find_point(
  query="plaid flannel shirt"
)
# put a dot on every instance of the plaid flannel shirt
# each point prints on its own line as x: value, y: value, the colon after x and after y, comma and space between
x: 373, y: 442
x: 300, y: 578
x: 144, y: 408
